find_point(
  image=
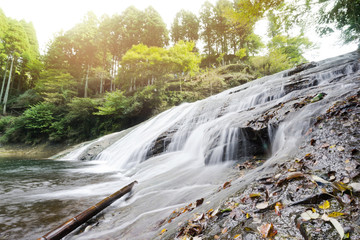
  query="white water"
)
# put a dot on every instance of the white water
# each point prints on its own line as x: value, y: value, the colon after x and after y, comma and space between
x: 200, y: 131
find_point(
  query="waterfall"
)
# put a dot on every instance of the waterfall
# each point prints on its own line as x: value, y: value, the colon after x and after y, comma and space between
x: 185, y: 152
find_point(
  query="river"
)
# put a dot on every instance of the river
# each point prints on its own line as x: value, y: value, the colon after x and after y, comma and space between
x: 38, y: 194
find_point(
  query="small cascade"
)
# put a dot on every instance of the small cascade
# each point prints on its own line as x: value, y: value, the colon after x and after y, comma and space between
x: 184, y: 153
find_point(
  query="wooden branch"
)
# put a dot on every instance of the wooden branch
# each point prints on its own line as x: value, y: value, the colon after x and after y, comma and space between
x: 75, y: 222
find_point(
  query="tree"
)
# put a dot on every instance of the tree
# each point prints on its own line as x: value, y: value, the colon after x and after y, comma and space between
x: 185, y: 27
x: 154, y: 32
x: 344, y: 14
x: 15, y: 43
x: 83, y: 37
x: 221, y: 26
x: 292, y: 47
x: 142, y: 66
x: 56, y: 86
x: 207, y: 26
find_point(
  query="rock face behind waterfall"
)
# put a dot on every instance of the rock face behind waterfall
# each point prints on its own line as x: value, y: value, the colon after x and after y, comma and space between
x: 247, y: 163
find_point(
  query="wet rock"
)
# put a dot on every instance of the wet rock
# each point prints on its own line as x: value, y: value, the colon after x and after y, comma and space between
x: 247, y: 142
x: 300, y: 68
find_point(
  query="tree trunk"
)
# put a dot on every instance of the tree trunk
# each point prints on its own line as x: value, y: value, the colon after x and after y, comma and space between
x: 112, y: 73
x: 86, y: 82
x: 69, y: 226
x: 101, y: 82
x: 3, y: 83
x: 8, y: 86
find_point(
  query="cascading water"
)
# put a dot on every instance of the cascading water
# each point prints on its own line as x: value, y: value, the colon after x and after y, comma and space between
x: 185, y: 153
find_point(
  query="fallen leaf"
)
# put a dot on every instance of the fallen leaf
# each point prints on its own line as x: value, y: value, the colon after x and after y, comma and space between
x: 162, y: 231
x: 342, y: 187
x: 325, y: 217
x: 199, y: 202
x: 224, y: 230
x: 346, y: 180
x: 332, y: 146
x: 267, y: 230
x: 325, y: 205
x: 336, y: 214
x: 255, y: 195
x: 340, y: 148
x: 278, y: 206
x: 198, y: 218
x: 338, y: 227
x: 247, y: 229
x: 294, y: 175
x: 216, y: 237
x: 225, y: 210
x: 214, y: 213
x: 318, y: 179
x: 325, y: 145
x: 237, y: 235
x: 248, y: 215
x: 262, y: 205
x: 227, y: 184
x: 355, y: 187
x: 308, y: 215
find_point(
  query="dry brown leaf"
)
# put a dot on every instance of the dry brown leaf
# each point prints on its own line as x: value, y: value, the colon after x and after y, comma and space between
x: 227, y: 184
x: 294, y: 175
x: 325, y: 145
x: 278, y: 207
x: 267, y: 230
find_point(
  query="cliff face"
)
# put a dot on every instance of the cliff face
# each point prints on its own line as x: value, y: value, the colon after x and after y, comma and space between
x: 247, y: 163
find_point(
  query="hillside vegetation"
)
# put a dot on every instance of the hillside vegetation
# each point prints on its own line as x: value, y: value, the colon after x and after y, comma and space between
x: 111, y: 72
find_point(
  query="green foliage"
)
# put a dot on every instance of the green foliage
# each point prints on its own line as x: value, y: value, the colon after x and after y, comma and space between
x: 39, y: 117
x: 241, y: 53
x: 146, y: 101
x: 185, y: 27
x: 78, y: 123
x: 273, y: 62
x: 142, y: 66
x: 5, y: 122
x: 292, y: 47
x: 345, y: 14
x: 116, y: 103
x: 13, y: 131
x: 56, y: 86
x: 27, y: 99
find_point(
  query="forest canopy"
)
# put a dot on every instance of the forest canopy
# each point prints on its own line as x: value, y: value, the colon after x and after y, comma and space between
x: 111, y: 72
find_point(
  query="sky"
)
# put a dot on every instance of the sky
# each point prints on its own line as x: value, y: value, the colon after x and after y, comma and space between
x: 51, y: 16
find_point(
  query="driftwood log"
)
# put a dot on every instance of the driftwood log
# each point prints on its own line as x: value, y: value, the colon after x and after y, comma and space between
x: 75, y: 222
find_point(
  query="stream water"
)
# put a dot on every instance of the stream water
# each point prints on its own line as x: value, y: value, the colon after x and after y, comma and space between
x: 179, y: 156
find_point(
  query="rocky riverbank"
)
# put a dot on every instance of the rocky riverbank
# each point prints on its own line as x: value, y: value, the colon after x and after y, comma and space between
x: 314, y: 195
x: 44, y: 150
